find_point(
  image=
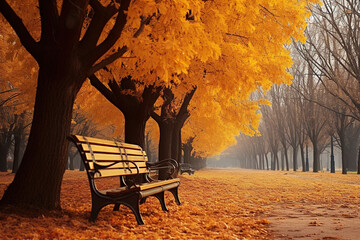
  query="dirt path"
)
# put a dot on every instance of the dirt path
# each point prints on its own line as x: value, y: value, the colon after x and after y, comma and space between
x: 299, y: 220
x: 315, y: 222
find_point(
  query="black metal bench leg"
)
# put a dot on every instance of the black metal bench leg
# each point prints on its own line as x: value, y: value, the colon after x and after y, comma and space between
x: 161, y: 198
x: 143, y: 200
x: 174, y: 192
x: 133, y: 204
x: 116, y: 207
x: 96, y: 206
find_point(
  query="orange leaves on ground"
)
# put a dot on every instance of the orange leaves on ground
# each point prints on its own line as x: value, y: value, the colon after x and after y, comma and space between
x: 217, y: 204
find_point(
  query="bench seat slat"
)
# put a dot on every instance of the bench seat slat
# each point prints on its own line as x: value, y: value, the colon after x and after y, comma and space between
x: 118, y: 172
x: 118, y: 165
x: 114, y: 157
x: 115, y: 150
x: 98, y: 141
x: 157, y: 183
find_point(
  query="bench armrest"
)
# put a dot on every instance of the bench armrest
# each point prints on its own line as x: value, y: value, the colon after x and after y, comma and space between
x: 170, y: 164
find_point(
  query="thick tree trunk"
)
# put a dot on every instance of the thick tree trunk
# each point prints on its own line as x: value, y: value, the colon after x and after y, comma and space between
x: 38, y: 180
x: 135, y: 129
x: 165, y: 141
x: 175, y: 143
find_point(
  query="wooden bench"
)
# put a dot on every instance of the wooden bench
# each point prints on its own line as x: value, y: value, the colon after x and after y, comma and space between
x: 185, y: 167
x: 106, y: 158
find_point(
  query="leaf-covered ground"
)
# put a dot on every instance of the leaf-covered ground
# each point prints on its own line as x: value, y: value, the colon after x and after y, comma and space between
x: 217, y: 204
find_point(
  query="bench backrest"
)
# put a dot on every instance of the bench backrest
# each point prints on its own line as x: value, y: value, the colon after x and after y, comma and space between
x: 108, y: 158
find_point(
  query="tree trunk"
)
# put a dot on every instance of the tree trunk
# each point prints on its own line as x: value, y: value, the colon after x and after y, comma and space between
x: 82, y: 166
x: 72, y: 160
x: 303, y: 163
x: 135, y: 129
x: 350, y: 153
x: 295, y: 151
x: 166, y: 130
x: 343, y: 159
x: 272, y: 161
x: 38, y: 180
x: 187, y: 147
x: 148, y: 144
x: 4, y: 149
x: 286, y: 160
x: 358, y: 171
x: 267, y: 161
x: 18, y: 151
x: 175, y: 143
x: 316, y: 160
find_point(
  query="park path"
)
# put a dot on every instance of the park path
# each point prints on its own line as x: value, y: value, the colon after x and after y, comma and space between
x: 322, y: 218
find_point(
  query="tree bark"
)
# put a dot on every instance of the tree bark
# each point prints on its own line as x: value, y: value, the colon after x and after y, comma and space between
x: 303, y: 164
x: 343, y: 160
x: 316, y: 160
x: 358, y: 171
x: 64, y: 64
x: 38, y: 180
x: 19, y: 147
x: 4, y: 149
x: 165, y: 141
x: 136, y: 111
x: 295, y: 151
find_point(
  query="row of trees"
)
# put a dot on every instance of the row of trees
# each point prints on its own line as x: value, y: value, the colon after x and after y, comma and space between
x: 170, y: 60
x: 13, y: 128
x: 323, y: 102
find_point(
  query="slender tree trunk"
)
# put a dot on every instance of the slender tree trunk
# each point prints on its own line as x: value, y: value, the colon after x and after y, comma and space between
x: 148, y: 147
x: 303, y: 164
x: 282, y: 161
x: 4, y: 149
x: 358, y: 171
x: 316, y: 157
x: 286, y: 160
x: 267, y: 161
x: 350, y: 153
x: 295, y: 152
x: 180, y: 148
x: 82, y: 166
x: 39, y: 177
x: 343, y: 160
x: 71, y: 160
x: 18, y: 150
